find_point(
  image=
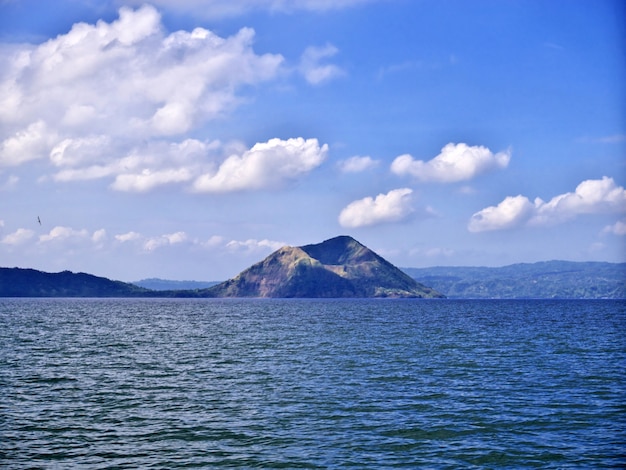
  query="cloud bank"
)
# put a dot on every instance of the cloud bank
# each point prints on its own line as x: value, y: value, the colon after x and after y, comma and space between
x: 590, y: 197
x: 21, y: 235
x: 116, y: 100
x: 384, y: 208
x: 266, y: 165
x: 456, y: 162
x: 124, y: 79
x: 64, y: 238
x: 357, y: 164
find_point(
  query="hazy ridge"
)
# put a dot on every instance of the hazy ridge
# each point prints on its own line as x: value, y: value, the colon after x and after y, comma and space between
x: 542, y: 280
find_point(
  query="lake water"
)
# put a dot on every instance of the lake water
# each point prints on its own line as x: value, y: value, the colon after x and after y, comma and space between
x: 123, y: 383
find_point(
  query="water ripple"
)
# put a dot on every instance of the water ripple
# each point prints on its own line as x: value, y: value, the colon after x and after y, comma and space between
x: 311, y: 384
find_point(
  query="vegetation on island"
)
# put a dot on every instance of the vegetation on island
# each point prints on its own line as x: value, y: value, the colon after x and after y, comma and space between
x: 17, y: 282
x: 542, y: 280
x: 339, y: 267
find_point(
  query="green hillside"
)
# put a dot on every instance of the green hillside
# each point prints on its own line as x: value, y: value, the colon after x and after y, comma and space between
x: 543, y: 280
x: 17, y: 282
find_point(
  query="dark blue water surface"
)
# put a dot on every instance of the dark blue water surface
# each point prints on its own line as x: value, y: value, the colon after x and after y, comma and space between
x: 124, y: 383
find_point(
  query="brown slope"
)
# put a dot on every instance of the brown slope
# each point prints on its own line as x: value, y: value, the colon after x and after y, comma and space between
x: 339, y: 267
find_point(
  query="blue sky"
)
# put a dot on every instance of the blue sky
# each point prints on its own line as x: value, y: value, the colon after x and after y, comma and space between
x: 189, y: 139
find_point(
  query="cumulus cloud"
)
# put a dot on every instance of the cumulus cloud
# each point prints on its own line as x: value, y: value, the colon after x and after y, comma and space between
x: 128, y: 237
x: 314, y: 71
x: 252, y: 244
x: 60, y: 233
x: 29, y: 143
x: 165, y: 240
x: 216, y: 242
x: 99, y: 236
x: 590, y: 197
x: 79, y: 150
x: 85, y: 97
x: 144, y: 168
x: 265, y: 165
x: 618, y: 228
x: 18, y: 237
x: 511, y: 212
x: 384, y: 208
x: 357, y: 164
x: 128, y: 125
x: 149, y: 179
x: 213, y: 242
x: 201, y: 165
x: 456, y: 162
x: 152, y: 243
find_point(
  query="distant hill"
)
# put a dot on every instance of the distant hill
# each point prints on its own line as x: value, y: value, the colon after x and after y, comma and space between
x: 311, y: 271
x: 543, y: 280
x: 17, y: 282
x: 165, y: 285
x: 339, y: 267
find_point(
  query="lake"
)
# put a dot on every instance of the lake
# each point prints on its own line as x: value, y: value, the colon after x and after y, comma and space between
x: 233, y: 383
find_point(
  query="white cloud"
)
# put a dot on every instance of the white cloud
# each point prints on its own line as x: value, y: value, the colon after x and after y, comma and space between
x: 590, y: 197
x: 76, y: 151
x: 128, y: 237
x: 26, y: 144
x: 456, y: 162
x: 618, y: 228
x: 99, y: 236
x: 316, y: 72
x: 86, y: 97
x: 60, y: 233
x: 149, y: 179
x: 153, y: 243
x: 200, y: 165
x: 18, y: 237
x: 144, y: 168
x: 165, y: 240
x: 511, y: 212
x: 385, y: 208
x: 213, y: 242
x: 252, y: 244
x: 357, y: 164
x: 265, y: 165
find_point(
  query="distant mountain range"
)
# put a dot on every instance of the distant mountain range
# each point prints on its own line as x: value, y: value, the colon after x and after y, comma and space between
x: 543, y: 280
x: 342, y: 267
x: 157, y: 284
x: 339, y: 267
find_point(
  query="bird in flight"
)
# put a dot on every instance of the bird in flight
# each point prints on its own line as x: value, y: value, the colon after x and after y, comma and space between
x: 39, y: 220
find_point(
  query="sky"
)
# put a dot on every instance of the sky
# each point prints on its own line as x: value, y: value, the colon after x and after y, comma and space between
x: 189, y: 139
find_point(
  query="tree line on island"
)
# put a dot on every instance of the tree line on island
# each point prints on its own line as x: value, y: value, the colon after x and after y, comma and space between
x: 341, y: 267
